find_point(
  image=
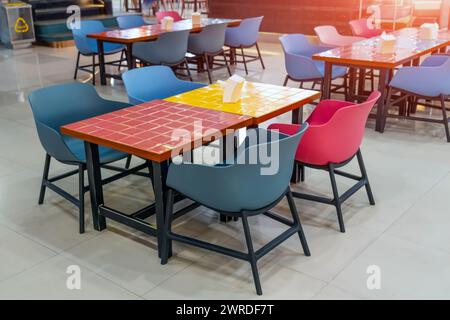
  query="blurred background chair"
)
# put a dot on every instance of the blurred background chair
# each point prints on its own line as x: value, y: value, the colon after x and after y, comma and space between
x: 240, y: 189
x: 242, y: 37
x: 207, y: 45
x: 130, y: 21
x: 202, y: 6
x: 88, y: 47
x: 360, y: 28
x: 169, y: 49
x: 300, y: 66
x: 63, y: 104
x: 332, y: 141
x: 430, y: 82
x: 156, y: 82
x: 173, y: 14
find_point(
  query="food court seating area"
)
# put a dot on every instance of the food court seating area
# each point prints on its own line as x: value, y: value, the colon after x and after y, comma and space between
x: 218, y: 164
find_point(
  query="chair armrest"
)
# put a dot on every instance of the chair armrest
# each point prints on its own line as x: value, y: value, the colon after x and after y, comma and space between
x: 53, y: 143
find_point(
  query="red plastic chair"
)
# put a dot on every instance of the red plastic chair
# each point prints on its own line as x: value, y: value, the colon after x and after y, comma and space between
x: 174, y: 14
x: 361, y: 28
x: 333, y: 139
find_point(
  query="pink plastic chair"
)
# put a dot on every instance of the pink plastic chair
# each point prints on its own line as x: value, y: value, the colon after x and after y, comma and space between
x: 336, y: 130
x: 361, y: 28
x: 329, y: 36
x: 174, y: 14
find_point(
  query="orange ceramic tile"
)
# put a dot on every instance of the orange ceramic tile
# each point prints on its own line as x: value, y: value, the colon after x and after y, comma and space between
x: 367, y: 52
x: 146, y: 130
x: 259, y: 100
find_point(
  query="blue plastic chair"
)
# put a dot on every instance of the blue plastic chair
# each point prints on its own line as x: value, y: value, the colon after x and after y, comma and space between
x: 429, y: 81
x: 300, y: 66
x: 207, y: 45
x: 59, y: 105
x: 245, y: 36
x: 240, y: 189
x: 170, y: 50
x: 131, y: 21
x: 88, y: 47
x: 154, y: 82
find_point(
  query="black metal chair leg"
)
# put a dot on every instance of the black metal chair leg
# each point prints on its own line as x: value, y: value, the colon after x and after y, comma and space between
x: 121, y: 58
x: 76, y: 66
x: 302, y: 173
x: 166, y: 242
x: 44, y: 178
x: 362, y: 167
x: 260, y: 56
x: 445, y: 118
x: 386, y: 108
x: 297, y: 222
x: 188, y: 70
x: 243, y: 60
x: 336, y: 200
x: 128, y: 163
x: 93, y: 69
x: 207, y: 68
x: 81, y: 198
x: 226, y: 63
x: 251, y: 255
x: 285, y: 81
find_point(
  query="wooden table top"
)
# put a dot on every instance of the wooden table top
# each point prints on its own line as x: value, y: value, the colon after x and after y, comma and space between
x: 368, y: 53
x: 147, y: 130
x: 151, y: 32
x: 259, y: 100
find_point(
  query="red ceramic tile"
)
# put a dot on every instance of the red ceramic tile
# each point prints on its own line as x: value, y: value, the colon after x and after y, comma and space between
x: 123, y: 130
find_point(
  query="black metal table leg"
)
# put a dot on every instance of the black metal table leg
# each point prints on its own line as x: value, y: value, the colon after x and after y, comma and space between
x: 159, y: 182
x: 297, y: 118
x: 327, y: 81
x: 130, y: 60
x: 379, y: 126
x: 95, y: 184
x: 101, y: 62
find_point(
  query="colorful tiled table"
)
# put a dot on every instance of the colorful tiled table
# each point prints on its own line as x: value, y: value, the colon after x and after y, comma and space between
x: 260, y: 101
x: 145, y: 33
x: 146, y: 131
x: 367, y: 54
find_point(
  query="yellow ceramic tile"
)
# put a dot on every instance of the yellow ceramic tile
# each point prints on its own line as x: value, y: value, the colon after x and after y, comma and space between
x: 258, y: 99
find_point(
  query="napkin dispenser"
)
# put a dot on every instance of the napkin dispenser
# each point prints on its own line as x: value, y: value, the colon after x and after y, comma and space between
x: 429, y: 31
x: 388, y: 43
x: 196, y: 18
x: 232, y: 89
x: 167, y: 23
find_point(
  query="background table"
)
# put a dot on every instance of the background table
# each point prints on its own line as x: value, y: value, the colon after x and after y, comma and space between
x: 144, y: 33
x: 367, y: 54
x: 146, y: 131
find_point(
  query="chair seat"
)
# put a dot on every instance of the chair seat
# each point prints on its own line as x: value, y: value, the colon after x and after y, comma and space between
x: 107, y: 155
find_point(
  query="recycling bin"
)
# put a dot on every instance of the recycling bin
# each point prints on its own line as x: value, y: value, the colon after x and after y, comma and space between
x: 16, y: 25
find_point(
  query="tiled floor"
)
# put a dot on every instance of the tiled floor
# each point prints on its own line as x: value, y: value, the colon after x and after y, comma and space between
x: 406, y: 234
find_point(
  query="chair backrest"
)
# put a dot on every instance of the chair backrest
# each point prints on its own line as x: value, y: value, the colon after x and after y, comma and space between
x: 327, y: 34
x: 62, y: 104
x: 84, y: 44
x: 251, y: 183
x: 297, y: 53
x: 359, y: 27
x: 174, y: 14
x: 131, y: 21
x: 210, y: 40
x: 246, y: 34
x: 338, y: 139
x: 170, y: 48
x: 154, y: 82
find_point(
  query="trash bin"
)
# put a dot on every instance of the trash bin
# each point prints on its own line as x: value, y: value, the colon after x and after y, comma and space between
x: 16, y: 23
